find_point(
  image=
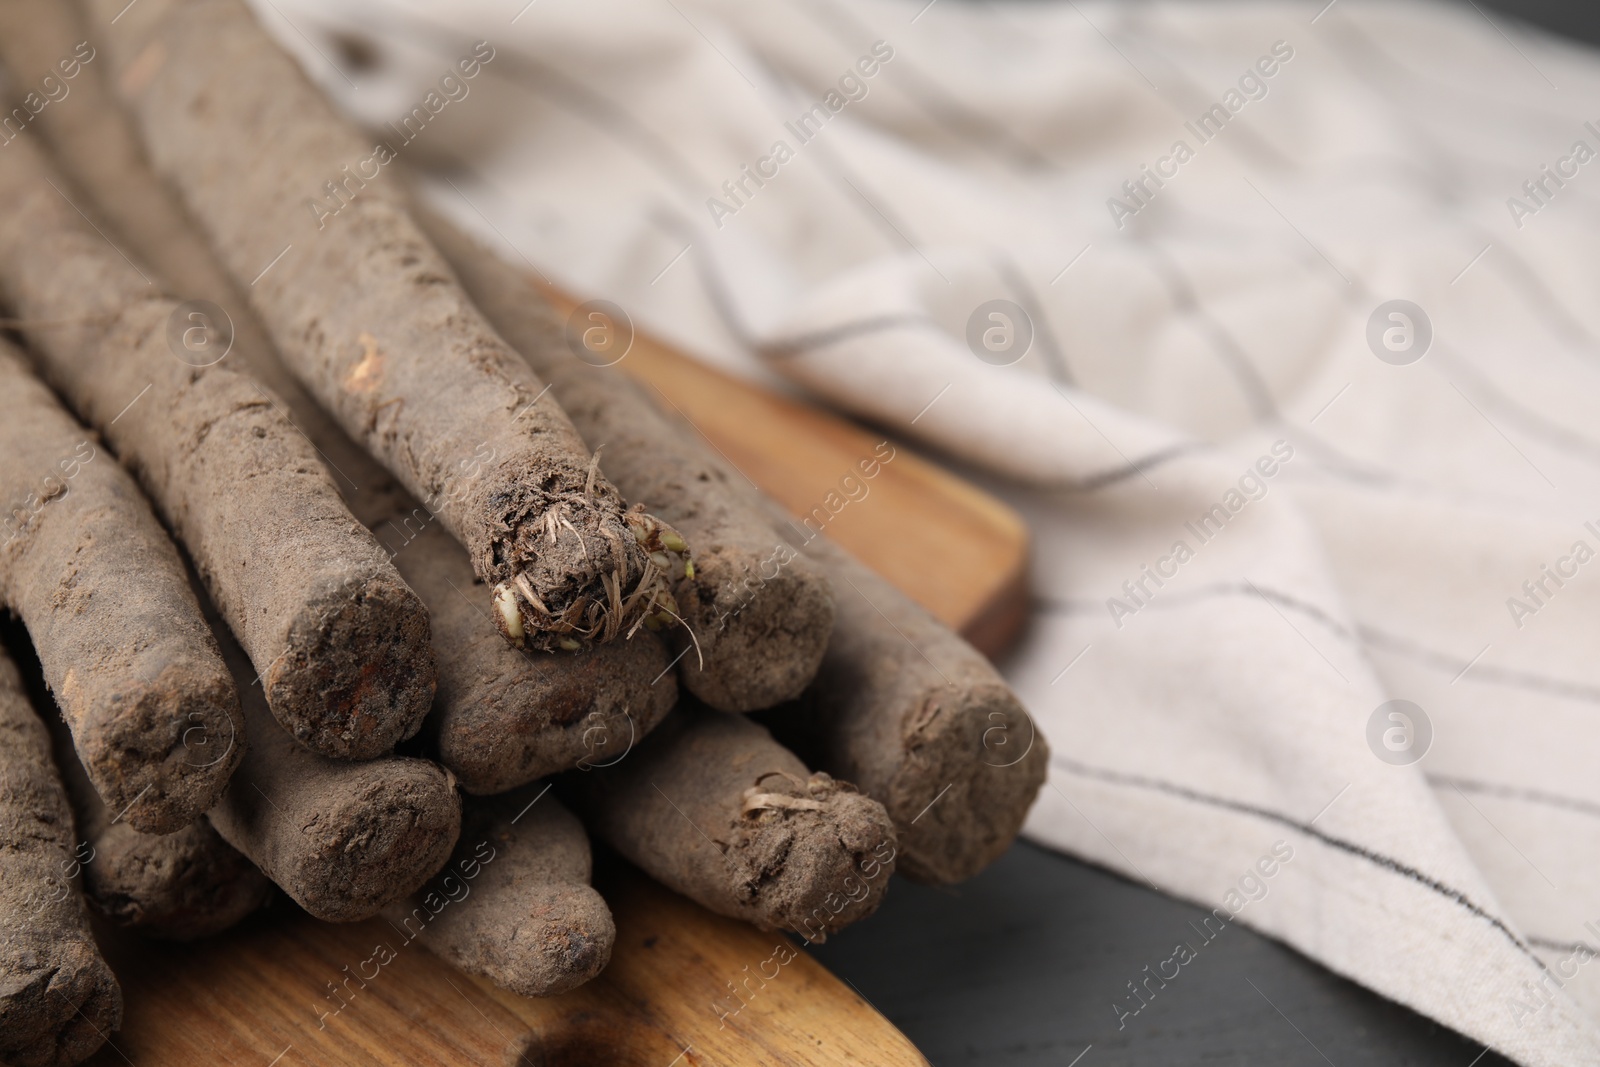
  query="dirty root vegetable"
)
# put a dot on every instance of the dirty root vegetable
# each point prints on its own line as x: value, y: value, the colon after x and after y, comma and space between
x: 368, y: 316
x: 922, y: 722
x: 342, y: 838
x: 58, y: 999
x: 514, y: 903
x: 336, y: 637
x: 502, y: 716
x: 108, y: 606
x: 711, y: 806
x: 757, y: 615
x: 177, y: 887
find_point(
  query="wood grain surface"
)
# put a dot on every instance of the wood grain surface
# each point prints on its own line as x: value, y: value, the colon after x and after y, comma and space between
x: 263, y: 994
x: 260, y: 995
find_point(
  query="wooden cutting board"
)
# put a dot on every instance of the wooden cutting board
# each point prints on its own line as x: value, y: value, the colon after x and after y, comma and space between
x: 257, y: 994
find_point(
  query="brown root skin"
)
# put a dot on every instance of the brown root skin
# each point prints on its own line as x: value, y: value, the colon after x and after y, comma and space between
x: 107, y: 603
x: 177, y: 887
x: 923, y: 723
x: 714, y: 808
x: 760, y: 622
x: 58, y: 999
x: 306, y: 589
x: 506, y: 717
x: 503, y: 717
x: 547, y: 606
x: 514, y: 903
x: 361, y: 653
x: 342, y: 839
x: 879, y: 714
x: 759, y: 613
x: 370, y: 319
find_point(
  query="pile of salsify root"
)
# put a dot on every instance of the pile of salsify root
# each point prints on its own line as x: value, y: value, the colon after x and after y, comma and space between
x: 331, y: 593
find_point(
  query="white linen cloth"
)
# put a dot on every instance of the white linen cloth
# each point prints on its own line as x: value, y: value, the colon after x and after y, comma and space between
x: 1214, y: 322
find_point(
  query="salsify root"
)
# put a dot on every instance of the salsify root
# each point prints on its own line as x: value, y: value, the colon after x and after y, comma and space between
x: 711, y: 806
x: 506, y: 716
x: 369, y: 317
x: 756, y: 613
x: 58, y: 999
x: 514, y: 903
x: 177, y: 887
x: 339, y: 641
x: 920, y: 720
x: 107, y: 604
x: 343, y: 839
x: 901, y: 706
x: 502, y: 716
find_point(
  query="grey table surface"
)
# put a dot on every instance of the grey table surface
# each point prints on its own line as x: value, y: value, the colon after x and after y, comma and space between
x: 1021, y: 966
